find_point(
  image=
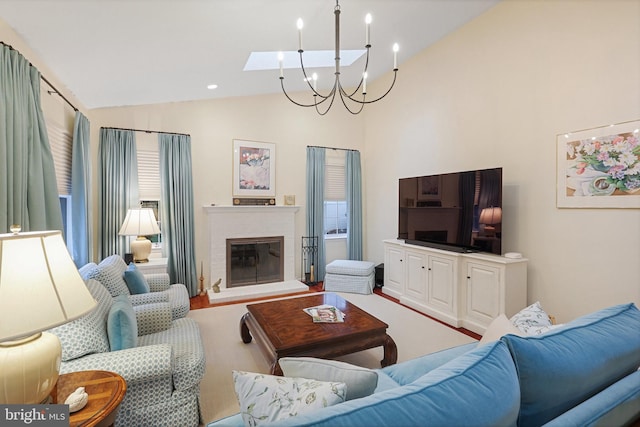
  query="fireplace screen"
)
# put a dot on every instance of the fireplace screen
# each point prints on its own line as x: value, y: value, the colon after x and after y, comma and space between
x: 253, y: 261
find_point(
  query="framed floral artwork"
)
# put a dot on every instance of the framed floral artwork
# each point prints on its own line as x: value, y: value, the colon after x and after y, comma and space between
x: 599, y: 167
x: 254, y: 169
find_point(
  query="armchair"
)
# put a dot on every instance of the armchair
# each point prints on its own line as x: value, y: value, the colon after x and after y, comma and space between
x: 110, y: 273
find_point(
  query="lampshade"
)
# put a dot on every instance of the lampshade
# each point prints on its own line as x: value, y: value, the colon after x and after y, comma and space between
x: 40, y: 288
x: 139, y: 222
x: 491, y: 216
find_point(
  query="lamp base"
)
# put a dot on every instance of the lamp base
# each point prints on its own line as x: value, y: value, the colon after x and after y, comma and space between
x: 141, y: 248
x: 29, y: 368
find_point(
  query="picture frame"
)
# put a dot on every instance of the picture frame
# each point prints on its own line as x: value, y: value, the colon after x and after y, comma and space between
x: 254, y: 169
x: 429, y: 188
x: 599, y: 167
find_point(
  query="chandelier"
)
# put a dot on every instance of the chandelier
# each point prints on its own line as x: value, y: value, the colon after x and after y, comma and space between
x: 354, y: 101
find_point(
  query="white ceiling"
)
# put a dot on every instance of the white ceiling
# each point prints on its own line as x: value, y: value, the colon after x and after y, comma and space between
x: 131, y: 52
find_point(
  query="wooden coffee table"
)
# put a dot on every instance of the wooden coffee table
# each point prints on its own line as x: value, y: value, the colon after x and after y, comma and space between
x: 282, y: 329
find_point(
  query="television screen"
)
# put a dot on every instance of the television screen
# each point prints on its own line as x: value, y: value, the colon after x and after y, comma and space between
x: 459, y: 211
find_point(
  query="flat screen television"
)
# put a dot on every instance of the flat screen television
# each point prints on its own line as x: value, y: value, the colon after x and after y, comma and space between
x: 459, y: 211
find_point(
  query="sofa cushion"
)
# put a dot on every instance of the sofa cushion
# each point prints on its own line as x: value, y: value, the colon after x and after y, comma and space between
x: 360, y: 381
x: 267, y: 398
x: 88, y: 334
x: 479, y: 387
x: 135, y: 280
x: 121, y: 324
x: 564, y: 367
x: 499, y: 327
x: 110, y: 272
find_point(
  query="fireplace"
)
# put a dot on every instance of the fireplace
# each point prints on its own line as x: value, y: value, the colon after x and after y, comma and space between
x: 253, y: 261
x: 249, y: 222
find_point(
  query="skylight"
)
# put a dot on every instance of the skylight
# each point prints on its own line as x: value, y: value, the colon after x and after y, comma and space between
x: 259, y: 61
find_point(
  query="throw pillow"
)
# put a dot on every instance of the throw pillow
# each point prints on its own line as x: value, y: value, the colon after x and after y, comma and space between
x: 88, y: 334
x: 497, y: 328
x: 122, y: 326
x: 135, y: 280
x: 267, y: 398
x: 532, y: 320
x: 360, y: 381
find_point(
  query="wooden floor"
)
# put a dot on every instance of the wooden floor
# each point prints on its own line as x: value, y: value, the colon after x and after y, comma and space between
x: 199, y: 302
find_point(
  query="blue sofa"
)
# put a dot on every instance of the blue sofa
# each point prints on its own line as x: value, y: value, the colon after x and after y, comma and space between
x: 585, y: 373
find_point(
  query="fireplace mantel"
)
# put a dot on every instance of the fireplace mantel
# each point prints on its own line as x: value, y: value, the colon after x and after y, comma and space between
x: 231, y: 222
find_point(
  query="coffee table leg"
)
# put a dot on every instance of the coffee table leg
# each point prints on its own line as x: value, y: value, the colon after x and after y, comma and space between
x: 390, y: 352
x: 244, y: 329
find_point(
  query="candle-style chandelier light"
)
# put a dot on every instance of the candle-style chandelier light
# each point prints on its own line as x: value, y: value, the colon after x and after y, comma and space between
x: 353, y: 101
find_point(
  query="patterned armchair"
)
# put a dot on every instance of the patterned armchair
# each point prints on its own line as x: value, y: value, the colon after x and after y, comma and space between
x: 110, y: 272
x: 162, y: 360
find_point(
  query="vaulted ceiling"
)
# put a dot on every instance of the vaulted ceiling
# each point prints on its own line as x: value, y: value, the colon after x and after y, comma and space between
x: 132, y: 52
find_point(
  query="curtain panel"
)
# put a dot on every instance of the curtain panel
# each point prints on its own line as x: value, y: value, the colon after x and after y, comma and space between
x: 28, y: 189
x: 176, y: 185
x: 315, y: 206
x: 81, y: 212
x: 118, y: 173
x: 353, y: 190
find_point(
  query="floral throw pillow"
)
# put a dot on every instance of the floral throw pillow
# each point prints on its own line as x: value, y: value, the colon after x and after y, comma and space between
x: 532, y: 320
x: 268, y: 398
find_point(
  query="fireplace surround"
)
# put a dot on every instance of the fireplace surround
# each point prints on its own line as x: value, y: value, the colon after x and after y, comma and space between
x: 242, y: 222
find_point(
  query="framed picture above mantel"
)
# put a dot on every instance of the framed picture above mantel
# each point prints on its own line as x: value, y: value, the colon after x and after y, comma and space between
x: 599, y: 167
x: 254, y: 169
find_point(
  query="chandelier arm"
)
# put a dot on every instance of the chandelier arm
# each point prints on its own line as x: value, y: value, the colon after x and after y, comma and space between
x: 329, y: 106
x: 395, y: 70
x: 306, y: 79
x: 293, y: 101
x: 366, y: 67
x: 343, y: 95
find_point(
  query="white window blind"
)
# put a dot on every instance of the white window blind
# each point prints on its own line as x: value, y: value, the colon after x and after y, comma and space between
x: 60, y: 140
x: 334, y: 185
x: 149, y: 174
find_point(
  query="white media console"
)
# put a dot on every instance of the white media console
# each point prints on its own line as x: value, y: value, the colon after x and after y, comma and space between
x: 465, y: 290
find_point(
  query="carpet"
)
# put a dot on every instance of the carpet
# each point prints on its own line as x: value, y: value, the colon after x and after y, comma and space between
x: 413, y: 333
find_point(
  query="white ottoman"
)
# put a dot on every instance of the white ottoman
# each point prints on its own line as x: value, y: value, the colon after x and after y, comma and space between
x: 350, y: 276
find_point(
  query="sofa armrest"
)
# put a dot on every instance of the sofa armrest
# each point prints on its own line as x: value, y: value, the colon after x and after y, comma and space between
x: 616, y: 405
x: 152, y: 318
x: 158, y: 282
x: 148, y: 298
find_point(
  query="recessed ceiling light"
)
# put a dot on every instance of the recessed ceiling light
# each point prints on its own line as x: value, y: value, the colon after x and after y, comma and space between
x: 212, y: 86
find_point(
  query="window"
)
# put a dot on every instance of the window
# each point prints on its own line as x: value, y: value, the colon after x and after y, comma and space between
x: 149, y: 179
x: 335, y: 203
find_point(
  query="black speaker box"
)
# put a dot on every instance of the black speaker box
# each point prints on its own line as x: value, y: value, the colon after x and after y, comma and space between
x: 379, y: 275
x: 128, y: 258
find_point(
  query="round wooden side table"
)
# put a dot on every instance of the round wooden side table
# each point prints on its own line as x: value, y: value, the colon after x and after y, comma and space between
x: 106, y: 390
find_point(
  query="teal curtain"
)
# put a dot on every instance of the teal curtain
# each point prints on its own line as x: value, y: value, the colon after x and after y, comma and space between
x: 81, y: 212
x: 118, y: 173
x: 315, y: 206
x: 353, y: 191
x: 28, y: 189
x: 176, y: 186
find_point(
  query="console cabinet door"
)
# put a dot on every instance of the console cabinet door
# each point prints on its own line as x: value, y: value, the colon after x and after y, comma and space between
x: 394, y: 271
x: 442, y: 294
x: 416, y: 283
x: 484, y: 293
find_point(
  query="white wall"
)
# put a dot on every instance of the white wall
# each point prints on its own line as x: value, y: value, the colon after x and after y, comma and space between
x: 496, y: 93
x: 213, y: 125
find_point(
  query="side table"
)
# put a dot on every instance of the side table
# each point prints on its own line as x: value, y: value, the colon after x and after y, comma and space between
x: 155, y: 265
x: 106, y: 390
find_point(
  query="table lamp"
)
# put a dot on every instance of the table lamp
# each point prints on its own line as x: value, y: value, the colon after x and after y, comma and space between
x: 140, y: 222
x: 490, y: 217
x: 40, y: 288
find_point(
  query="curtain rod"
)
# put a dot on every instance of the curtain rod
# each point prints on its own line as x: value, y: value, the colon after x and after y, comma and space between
x: 55, y: 90
x: 147, y: 131
x: 331, y: 148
